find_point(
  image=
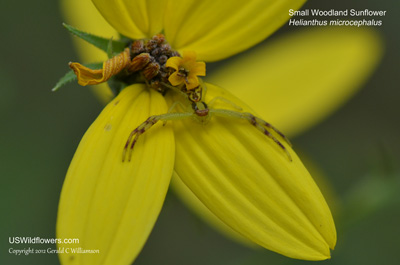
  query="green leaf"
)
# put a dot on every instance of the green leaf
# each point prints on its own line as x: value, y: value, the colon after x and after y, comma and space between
x: 99, y: 42
x: 110, y: 49
x: 70, y: 76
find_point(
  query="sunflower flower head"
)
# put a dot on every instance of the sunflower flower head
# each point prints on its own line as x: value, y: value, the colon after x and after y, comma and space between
x: 186, y: 70
x: 238, y: 166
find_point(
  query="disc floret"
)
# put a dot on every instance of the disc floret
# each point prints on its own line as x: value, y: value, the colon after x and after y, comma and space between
x: 186, y: 70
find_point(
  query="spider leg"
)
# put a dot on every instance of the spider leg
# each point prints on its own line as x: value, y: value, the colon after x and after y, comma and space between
x: 260, y: 124
x: 146, y: 125
x: 268, y: 125
x: 173, y: 106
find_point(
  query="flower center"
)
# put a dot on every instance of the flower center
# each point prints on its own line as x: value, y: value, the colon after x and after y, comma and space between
x: 151, y: 61
x: 149, y: 58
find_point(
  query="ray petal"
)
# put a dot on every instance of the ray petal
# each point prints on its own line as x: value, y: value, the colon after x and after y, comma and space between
x: 219, y: 29
x: 299, y: 79
x: 248, y: 182
x: 110, y: 205
x: 135, y: 19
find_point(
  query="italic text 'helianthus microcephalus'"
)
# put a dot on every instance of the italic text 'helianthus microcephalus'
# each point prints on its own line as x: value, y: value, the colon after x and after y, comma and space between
x: 240, y: 167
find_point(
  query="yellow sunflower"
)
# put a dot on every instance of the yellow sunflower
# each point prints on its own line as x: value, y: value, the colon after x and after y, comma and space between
x: 239, y: 174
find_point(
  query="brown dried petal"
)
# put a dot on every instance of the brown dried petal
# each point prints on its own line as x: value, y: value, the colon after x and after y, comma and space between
x: 137, y: 47
x: 151, y: 70
x: 139, y: 62
x: 111, y: 67
x: 159, y: 38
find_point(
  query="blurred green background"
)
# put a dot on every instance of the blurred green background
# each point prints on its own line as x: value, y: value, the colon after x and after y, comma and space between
x: 358, y: 149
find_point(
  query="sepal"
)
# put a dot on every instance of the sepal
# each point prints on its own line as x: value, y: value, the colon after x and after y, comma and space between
x: 103, y: 44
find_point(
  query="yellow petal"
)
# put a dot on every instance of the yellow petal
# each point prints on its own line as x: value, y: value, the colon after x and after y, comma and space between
x: 137, y: 19
x: 301, y: 78
x: 199, y: 68
x: 219, y: 29
x: 247, y: 180
x: 175, y: 80
x: 84, y: 15
x: 190, y: 56
x: 193, y: 82
x: 174, y: 62
x: 194, y: 204
x: 110, y: 205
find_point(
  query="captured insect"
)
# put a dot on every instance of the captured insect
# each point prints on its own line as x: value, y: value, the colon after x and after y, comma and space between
x: 154, y: 63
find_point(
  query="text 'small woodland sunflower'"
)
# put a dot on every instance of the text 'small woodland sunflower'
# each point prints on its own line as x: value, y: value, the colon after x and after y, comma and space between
x: 166, y: 121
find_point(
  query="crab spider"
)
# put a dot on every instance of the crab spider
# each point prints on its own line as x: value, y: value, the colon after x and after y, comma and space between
x: 200, y: 111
